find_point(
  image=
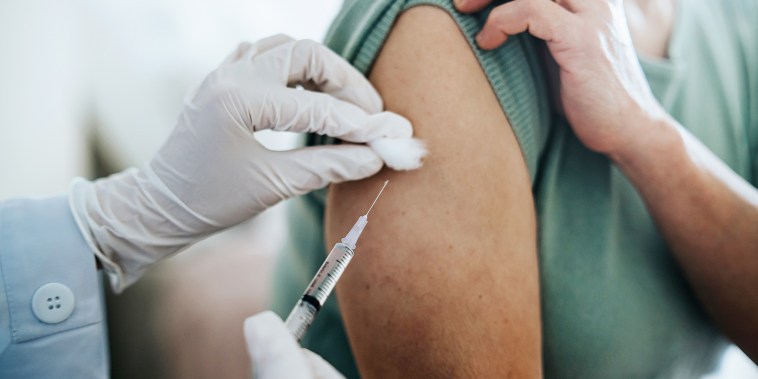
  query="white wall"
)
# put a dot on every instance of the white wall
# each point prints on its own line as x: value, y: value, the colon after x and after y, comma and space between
x: 120, y: 68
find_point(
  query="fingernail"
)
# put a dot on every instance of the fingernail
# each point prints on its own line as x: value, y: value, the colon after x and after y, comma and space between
x: 459, y: 3
x: 487, y: 41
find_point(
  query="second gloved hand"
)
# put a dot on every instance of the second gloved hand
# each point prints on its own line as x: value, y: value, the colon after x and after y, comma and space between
x: 275, y: 353
x: 212, y: 173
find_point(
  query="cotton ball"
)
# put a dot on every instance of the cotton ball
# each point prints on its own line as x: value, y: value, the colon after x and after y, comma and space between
x: 400, y: 154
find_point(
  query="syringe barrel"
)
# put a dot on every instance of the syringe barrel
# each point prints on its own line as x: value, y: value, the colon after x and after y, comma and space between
x: 301, y: 317
x: 329, y: 273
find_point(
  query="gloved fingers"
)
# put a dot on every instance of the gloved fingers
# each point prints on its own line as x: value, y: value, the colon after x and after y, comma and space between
x: 267, y: 44
x: 273, y: 351
x: 310, y: 168
x: 293, y: 110
x: 314, y: 66
x: 237, y: 53
x: 321, y: 368
x: 247, y: 50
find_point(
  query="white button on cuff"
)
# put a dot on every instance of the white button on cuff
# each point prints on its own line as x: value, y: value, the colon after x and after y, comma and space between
x: 53, y: 303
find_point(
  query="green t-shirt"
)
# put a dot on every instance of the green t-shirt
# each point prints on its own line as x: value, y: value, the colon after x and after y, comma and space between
x: 614, y: 302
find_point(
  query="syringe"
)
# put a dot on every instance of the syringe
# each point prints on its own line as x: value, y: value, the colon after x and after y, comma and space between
x: 304, y: 312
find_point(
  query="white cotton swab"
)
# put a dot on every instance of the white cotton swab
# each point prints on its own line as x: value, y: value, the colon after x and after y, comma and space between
x: 400, y: 154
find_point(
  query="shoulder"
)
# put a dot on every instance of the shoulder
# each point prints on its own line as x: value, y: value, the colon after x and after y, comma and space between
x: 514, y: 71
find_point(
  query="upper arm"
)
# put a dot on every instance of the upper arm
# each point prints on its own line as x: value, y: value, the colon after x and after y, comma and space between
x: 445, y: 280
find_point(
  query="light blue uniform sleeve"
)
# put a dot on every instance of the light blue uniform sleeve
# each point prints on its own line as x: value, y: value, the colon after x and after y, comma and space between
x: 51, y: 308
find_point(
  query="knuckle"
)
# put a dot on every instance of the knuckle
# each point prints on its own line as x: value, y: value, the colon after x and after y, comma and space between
x: 282, y: 36
x: 308, y: 45
x: 309, y: 50
x: 585, y: 32
x: 219, y: 86
x: 531, y: 7
x: 498, y: 18
x: 244, y: 45
x: 574, y: 35
x: 534, y: 12
x: 605, y: 9
x: 222, y: 93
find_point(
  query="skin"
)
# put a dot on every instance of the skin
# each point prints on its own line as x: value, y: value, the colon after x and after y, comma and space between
x: 707, y: 213
x: 456, y: 239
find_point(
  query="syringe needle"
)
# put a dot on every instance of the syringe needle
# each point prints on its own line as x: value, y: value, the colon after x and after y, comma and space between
x: 302, y: 315
x: 377, y: 197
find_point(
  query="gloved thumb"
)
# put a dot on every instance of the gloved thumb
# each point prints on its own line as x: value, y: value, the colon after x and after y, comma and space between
x: 273, y: 350
x: 312, y: 168
x: 321, y: 369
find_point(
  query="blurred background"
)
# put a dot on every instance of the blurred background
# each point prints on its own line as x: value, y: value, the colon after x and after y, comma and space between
x: 88, y: 88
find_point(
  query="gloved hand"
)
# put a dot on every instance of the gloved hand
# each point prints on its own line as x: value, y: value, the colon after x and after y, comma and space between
x: 212, y: 173
x: 275, y: 353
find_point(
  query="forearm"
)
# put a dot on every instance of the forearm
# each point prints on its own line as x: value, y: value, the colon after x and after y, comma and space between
x: 708, y: 216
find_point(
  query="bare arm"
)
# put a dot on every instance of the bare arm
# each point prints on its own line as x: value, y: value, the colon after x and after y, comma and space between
x: 445, y: 281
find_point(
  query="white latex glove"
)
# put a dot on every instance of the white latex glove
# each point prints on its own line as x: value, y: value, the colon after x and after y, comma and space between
x: 275, y: 354
x: 212, y: 173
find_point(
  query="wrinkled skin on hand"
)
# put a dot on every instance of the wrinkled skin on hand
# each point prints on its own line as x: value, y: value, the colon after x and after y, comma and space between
x: 602, y: 87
